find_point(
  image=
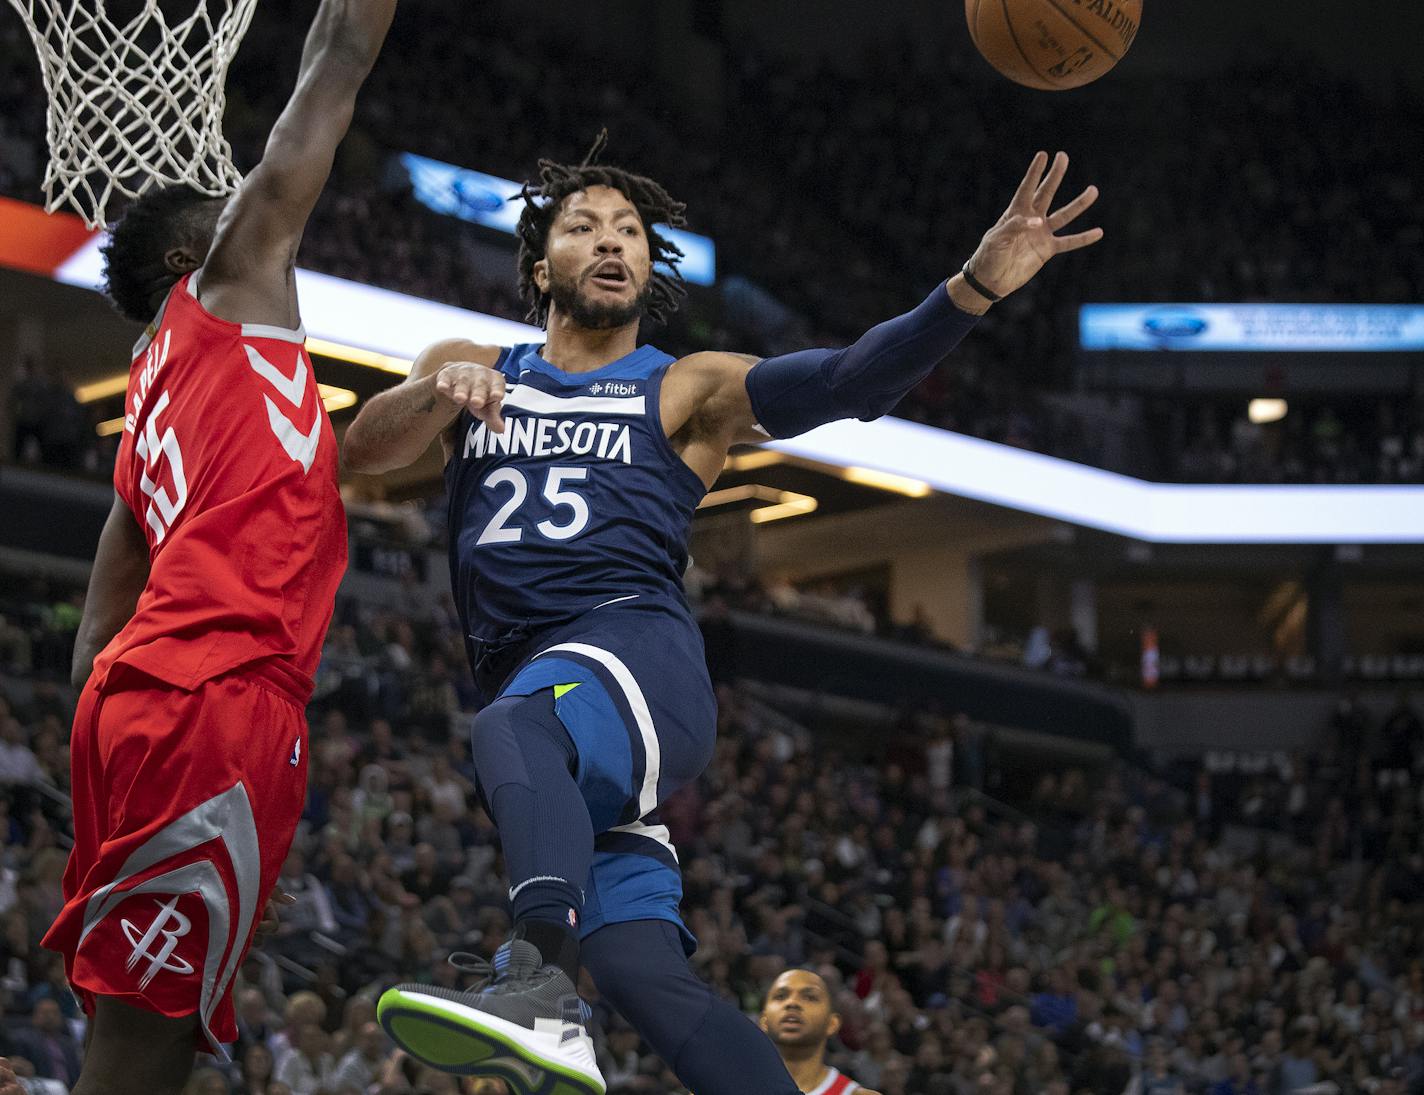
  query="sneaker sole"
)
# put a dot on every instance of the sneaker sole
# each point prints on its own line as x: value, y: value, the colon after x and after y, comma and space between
x: 461, y: 1040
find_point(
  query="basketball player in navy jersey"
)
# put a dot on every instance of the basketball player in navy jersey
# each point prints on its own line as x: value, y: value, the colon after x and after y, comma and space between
x: 573, y: 472
x: 799, y: 1019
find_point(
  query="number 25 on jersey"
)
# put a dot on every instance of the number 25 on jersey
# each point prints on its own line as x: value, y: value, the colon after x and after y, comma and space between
x: 500, y: 531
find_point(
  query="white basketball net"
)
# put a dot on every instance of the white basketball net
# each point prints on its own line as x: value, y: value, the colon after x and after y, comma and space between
x: 135, y: 102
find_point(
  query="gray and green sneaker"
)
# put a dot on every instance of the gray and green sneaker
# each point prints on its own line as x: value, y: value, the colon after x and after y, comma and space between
x: 524, y: 1024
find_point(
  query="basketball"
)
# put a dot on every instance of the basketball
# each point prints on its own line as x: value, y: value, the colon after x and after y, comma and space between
x: 1053, y: 45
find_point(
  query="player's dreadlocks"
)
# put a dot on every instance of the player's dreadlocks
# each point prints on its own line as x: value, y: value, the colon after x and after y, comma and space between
x: 655, y: 206
x: 134, y: 270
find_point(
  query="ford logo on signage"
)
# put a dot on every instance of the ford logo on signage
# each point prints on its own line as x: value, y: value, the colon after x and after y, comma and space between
x: 1173, y: 323
x: 474, y: 198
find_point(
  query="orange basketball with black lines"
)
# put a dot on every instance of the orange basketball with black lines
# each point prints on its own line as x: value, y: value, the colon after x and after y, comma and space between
x: 1053, y: 45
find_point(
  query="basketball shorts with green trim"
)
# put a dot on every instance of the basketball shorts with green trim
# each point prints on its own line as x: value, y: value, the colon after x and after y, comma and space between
x: 631, y: 687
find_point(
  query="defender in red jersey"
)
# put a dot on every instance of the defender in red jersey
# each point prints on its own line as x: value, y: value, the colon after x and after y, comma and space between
x: 799, y: 1019
x: 211, y: 594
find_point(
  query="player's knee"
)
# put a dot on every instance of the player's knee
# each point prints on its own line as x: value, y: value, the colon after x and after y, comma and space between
x: 516, y: 736
x: 622, y: 958
x: 495, y: 745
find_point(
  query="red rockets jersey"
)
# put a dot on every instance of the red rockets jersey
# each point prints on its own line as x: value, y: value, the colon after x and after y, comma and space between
x: 229, y: 464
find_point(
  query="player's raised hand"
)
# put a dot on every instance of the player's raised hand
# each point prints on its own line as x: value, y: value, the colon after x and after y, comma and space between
x: 477, y: 388
x: 271, y: 920
x: 1025, y: 237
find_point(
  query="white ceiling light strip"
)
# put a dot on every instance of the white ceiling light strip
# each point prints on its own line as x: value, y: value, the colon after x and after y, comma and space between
x: 1156, y: 512
x: 399, y: 325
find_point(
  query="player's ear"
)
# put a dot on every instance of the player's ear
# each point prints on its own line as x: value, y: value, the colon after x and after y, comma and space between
x: 541, y: 275
x: 181, y: 260
x: 761, y: 1022
x: 834, y: 1026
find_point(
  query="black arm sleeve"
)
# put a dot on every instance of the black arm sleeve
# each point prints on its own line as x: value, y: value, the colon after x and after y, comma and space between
x: 797, y: 392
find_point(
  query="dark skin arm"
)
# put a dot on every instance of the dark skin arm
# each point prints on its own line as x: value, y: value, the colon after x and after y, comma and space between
x: 119, y: 575
x: 249, y: 273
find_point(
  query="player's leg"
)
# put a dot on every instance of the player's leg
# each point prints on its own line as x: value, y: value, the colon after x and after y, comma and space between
x: 588, y: 740
x: 525, y: 762
x: 641, y: 968
x: 113, y: 1064
x: 526, y: 1023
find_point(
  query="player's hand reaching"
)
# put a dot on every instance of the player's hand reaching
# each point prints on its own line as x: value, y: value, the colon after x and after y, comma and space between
x: 1025, y: 238
x: 270, y: 922
x: 477, y: 388
x: 8, y: 1084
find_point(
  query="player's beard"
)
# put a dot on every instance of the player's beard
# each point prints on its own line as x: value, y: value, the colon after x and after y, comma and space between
x: 570, y: 299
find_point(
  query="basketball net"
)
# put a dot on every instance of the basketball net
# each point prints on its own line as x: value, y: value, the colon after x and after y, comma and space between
x: 134, y: 103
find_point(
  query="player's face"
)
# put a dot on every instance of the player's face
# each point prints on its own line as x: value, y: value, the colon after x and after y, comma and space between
x: 597, y: 265
x: 798, y: 1012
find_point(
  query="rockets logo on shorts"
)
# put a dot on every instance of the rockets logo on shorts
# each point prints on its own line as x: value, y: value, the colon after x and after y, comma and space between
x: 143, y: 944
x: 184, y: 903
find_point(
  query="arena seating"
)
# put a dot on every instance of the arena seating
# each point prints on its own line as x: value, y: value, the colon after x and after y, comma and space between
x: 981, y: 935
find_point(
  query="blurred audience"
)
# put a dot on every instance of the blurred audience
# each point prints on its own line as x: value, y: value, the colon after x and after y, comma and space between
x: 1252, y: 928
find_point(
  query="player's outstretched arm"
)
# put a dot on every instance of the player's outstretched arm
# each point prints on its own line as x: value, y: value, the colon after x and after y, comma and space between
x: 395, y: 427
x: 788, y: 395
x: 247, y: 274
x: 119, y: 575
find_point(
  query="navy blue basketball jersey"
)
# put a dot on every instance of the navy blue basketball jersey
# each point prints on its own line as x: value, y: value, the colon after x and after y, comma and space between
x: 581, y: 502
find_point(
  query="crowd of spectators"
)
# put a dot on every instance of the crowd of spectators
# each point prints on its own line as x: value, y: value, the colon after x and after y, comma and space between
x: 1094, y: 926
x: 813, y: 190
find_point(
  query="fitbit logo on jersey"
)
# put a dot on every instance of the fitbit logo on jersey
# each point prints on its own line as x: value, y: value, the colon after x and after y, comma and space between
x: 615, y: 387
x: 551, y: 437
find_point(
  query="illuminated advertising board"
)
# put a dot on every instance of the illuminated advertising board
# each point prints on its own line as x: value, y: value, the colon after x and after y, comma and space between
x: 1247, y: 328
x: 494, y: 203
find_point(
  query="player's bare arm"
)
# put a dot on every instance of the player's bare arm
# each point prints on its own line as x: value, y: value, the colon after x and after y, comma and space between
x: 712, y: 401
x: 119, y: 575
x: 395, y: 427
x: 248, y: 276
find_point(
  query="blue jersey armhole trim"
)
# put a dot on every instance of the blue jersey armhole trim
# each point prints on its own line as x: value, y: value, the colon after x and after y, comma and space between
x: 664, y: 442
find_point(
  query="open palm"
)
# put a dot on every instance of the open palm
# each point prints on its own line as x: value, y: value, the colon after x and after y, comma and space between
x: 1024, y: 238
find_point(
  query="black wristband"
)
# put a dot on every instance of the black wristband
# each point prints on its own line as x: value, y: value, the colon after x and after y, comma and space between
x: 979, y: 287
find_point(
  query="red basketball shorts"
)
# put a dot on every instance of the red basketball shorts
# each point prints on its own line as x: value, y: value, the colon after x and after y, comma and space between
x: 185, y: 805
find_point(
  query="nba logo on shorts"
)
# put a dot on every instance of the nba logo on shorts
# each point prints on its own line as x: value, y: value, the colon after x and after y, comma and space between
x: 158, y: 960
x: 573, y: 919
